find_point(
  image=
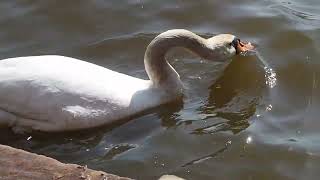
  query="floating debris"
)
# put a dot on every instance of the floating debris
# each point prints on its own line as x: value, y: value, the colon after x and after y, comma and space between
x: 292, y: 140
x: 212, y: 128
x: 212, y: 155
x: 118, y: 149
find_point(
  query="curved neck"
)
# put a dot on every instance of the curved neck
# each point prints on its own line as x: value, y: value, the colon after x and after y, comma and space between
x: 160, y: 72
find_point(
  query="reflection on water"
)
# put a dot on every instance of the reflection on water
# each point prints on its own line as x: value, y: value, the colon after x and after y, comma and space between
x: 271, y: 96
x: 234, y: 98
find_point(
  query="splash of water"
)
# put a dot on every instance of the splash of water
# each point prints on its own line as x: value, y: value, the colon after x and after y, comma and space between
x: 270, y: 75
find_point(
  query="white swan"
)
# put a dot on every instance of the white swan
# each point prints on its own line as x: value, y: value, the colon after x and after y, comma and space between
x: 57, y: 93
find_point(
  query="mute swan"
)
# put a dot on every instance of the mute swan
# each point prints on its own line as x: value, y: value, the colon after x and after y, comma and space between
x: 56, y: 93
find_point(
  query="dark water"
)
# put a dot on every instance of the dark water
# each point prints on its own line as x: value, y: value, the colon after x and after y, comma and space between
x: 231, y: 125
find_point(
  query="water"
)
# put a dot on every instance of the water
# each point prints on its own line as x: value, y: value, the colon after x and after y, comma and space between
x: 257, y: 119
x: 270, y: 74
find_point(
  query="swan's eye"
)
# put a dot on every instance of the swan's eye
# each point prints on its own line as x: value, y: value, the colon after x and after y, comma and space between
x: 235, y: 42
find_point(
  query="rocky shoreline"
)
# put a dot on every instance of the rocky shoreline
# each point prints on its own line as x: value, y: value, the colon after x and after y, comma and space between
x: 19, y: 164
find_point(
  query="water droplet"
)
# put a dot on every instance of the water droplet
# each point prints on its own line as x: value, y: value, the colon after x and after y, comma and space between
x: 228, y: 143
x: 249, y: 140
x: 29, y: 138
x: 87, y: 150
x: 271, y: 77
x: 258, y: 115
x: 269, y: 107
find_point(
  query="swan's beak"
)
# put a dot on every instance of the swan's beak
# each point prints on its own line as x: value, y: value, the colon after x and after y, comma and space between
x: 243, y: 47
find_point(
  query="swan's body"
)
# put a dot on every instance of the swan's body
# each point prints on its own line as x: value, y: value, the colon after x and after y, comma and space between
x: 57, y: 93
x: 53, y: 93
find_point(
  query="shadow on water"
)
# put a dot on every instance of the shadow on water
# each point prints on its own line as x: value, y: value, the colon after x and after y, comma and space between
x: 68, y: 146
x: 234, y: 96
x: 233, y: 99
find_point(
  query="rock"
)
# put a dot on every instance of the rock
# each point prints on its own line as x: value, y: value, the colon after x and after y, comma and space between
x: 170, y: 177
x: 19, y: 164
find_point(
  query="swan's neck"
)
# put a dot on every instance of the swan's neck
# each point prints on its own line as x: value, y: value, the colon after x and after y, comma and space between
x: 160, y: 72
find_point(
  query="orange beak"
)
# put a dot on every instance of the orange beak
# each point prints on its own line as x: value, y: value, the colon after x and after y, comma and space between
x: 243, y: 47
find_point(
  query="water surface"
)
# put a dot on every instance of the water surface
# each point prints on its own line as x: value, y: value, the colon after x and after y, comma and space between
x: 233, y: 124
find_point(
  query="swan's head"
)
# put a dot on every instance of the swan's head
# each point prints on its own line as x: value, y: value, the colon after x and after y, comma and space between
x: 227, y: 45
